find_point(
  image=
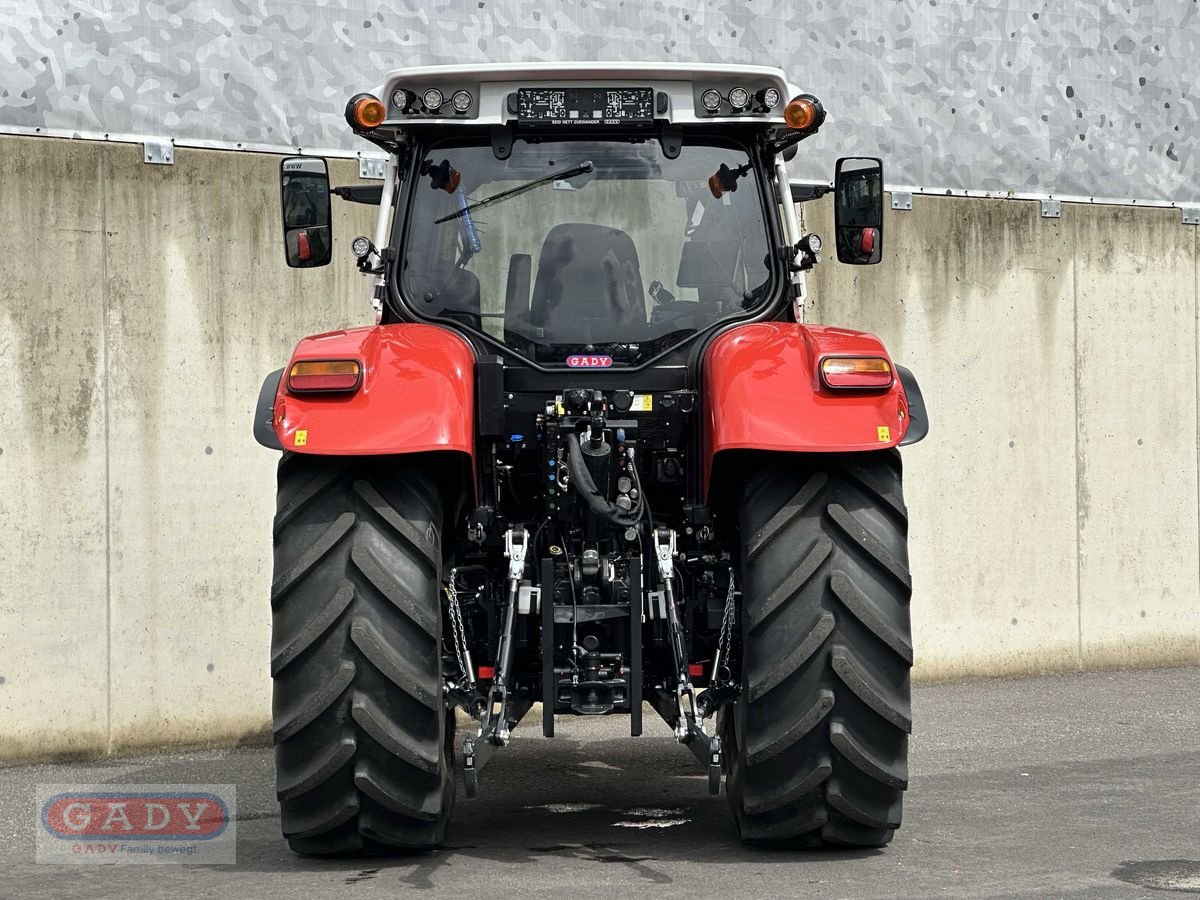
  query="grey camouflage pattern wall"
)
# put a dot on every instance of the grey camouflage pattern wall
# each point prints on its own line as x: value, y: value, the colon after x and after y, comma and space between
x: 1096, y: 98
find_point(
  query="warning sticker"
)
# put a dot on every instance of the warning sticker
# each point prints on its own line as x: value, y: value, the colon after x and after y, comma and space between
x: 301, y: 437
x: 885, y: 433
x: 642, y: 403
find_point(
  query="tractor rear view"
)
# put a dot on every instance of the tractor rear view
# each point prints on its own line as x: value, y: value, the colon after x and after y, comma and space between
x: 590, y: 458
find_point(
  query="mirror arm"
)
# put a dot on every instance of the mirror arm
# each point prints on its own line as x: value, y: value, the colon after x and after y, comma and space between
x: 371, y: 194
x: 802, y: 193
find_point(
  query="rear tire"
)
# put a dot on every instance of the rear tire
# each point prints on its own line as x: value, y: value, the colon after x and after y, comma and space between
x: 818, y: 740
x: 363, y: 745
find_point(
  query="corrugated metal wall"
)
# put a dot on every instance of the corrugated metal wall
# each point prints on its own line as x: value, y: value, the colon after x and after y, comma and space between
x: 1094, y: 99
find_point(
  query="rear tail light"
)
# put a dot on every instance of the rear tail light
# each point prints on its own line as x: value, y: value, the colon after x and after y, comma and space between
x: 866, y: 241
x: 856, y: 372
x: 324, y: 375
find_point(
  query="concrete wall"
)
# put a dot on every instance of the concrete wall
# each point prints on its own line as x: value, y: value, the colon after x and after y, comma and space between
x: 1054, y: 506
x: 140, y: 308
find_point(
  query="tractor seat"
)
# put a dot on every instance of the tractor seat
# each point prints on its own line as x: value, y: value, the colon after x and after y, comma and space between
x: 588, y: 288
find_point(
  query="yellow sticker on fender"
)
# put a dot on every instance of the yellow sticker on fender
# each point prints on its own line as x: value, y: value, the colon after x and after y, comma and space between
x: 301, y: 437
x: 642, y: 403
x: 885, y: 433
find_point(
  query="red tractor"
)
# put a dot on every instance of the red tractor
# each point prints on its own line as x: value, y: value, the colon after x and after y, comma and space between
x: 589, y: 457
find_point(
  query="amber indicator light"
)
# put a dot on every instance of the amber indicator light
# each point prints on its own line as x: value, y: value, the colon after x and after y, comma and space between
x: 324, y: 375
x: 856, y: 372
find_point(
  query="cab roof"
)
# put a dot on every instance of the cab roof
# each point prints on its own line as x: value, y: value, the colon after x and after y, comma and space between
x: 491, y: 84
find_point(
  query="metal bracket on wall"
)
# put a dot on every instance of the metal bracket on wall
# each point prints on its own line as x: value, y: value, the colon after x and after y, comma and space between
x: 1051, y: 209
x: 901, y: 200
x: 1191, y: 215
x: 159, y: 152
x: 371, y: 168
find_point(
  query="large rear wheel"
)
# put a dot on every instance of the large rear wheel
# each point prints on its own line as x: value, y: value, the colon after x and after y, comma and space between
x: 818, y: 740
x: 363, y: 745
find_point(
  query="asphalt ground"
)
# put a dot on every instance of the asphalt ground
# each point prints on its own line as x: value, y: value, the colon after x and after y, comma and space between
x: 1070, y: 786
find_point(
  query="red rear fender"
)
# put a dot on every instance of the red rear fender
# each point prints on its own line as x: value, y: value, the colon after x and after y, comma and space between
x: 763, y: 391
x: 416, y: 394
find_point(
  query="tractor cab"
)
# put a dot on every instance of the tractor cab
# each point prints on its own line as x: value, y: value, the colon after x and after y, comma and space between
x: 591, y: 214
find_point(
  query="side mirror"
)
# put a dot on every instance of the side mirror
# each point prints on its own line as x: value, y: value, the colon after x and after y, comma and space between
x: 304, y: 193
x: 858, y: 210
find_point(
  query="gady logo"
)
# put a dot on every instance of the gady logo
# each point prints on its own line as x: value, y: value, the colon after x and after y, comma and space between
x: 117, y: 816
x: 581, y: 361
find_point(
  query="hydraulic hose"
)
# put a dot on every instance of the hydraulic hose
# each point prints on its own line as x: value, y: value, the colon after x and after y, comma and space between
x: 581, y: 481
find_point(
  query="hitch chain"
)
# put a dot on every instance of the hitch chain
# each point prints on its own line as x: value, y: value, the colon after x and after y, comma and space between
x: 459, y: 633
x: 721, y: 672
x: 722, y: 689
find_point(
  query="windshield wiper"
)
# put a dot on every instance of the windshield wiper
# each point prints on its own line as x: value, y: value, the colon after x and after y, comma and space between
x: 582, y: 169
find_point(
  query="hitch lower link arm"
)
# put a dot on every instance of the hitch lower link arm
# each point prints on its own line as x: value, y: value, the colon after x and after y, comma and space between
x: 685, y: 694
x: 494, y: 728
x: 689, y: 730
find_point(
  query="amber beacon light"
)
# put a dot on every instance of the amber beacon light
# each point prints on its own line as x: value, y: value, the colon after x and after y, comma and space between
x: 365, y: 112
x: 804, y: 113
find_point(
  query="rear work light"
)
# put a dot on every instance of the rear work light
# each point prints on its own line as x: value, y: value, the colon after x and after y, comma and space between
x: 856, y: 373
x: 325, y: 375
